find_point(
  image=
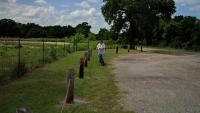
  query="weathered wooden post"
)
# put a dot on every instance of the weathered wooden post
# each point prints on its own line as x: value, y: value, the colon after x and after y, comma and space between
x: 85, y: 59
x: 128, y: 47
x: 70, y: 86
x: 117, y: 50
x: 88, y: 55
x: 81, y: 69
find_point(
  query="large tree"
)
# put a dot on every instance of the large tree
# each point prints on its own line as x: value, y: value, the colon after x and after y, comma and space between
x: 83, y: 28
x: 136, y: 18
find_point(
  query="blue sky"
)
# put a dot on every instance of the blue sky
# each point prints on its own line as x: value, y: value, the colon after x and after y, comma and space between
x: 72, y: 12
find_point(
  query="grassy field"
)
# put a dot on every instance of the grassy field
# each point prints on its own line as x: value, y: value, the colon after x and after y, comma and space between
x: 31, y: 55
x: 44, y: 88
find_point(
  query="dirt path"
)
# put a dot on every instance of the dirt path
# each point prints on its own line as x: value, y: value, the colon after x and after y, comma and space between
x: 160, y: 81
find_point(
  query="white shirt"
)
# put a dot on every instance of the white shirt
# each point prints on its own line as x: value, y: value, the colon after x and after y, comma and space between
x: 101, y: 48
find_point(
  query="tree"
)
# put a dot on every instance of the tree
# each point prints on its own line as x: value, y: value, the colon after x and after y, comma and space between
x: 68, y: 31
x: 83, y: 28
x: 106, y: 34
x: 35, y: 31
x: 91, y: 36
x: 9, y: 28
x: 136, y: 18
x: 182, y: 32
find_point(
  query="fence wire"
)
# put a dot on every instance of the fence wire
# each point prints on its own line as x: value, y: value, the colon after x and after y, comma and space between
x: 18, y: 56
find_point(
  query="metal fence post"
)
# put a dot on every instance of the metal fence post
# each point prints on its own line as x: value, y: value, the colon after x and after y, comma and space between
x: 64, y: 48
x: 56, y: 48
x: 43, y: 51
x: 88, y: 44
x: 19, y: 56
x: 74, y: 45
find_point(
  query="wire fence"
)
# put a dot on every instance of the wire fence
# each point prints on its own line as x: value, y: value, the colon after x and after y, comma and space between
x: 18, y: 56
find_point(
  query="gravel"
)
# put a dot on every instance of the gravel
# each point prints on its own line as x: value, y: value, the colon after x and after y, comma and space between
x: 159, y: 81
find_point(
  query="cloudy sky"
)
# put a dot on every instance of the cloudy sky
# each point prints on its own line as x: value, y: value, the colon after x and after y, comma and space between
x: 72, y: 12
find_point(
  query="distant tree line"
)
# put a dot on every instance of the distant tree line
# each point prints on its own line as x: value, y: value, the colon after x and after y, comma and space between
x: 180, y: 32
x: 10, y: 28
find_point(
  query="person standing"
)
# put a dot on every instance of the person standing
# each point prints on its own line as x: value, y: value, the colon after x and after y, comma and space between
x: 101, y: 51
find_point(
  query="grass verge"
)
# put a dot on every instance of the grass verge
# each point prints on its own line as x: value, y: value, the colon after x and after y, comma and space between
x: 43, y: 89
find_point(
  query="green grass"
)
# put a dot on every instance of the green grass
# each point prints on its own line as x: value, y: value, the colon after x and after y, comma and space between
x: 32, y: 57
x: 42, y: 89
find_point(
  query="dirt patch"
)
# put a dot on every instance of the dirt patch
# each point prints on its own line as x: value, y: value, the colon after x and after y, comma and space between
x: 77, y: 101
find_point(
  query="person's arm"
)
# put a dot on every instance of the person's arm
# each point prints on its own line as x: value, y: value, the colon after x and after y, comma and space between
x: 104, y: 46
x: 97, y: 47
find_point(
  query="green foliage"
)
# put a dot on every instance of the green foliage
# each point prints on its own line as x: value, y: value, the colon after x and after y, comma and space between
x: 181, y: 32
x: 83, y: 28
x: 10, y: 28
x: 105, y: 34
x: 136, y: 18
x: 91, y: 37
x: 77, y: 37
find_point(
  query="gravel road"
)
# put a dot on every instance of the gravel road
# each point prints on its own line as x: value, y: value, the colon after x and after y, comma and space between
x: 159, y: 81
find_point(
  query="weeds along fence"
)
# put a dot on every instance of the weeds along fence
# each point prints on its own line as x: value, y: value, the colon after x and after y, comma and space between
x: 18, y: 56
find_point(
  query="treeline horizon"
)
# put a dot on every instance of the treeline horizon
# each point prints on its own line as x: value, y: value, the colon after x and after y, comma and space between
x: 182, y: 32
x: 11, y: 28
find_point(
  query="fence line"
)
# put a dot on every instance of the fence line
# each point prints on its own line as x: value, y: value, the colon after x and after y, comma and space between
x: 18, y: 57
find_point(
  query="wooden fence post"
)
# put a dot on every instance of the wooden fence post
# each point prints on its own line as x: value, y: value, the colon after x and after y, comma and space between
x: 70, y: 86
x: 85, y: 59
x: 117, y: 49
x: 88, y: 55
x: 81, y: 69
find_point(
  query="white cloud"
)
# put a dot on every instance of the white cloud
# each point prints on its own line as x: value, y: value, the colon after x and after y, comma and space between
x: 92, y: 1
x: 49, y: 15
x: 83, y: 4
x: 99, y: 14
x: 40, y: 1
x: 188, y: 2
x: 194, y: 5
x: 27, y: 13
x: 81, y: 13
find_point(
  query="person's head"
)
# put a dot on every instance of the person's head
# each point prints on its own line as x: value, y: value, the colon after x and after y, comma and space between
x: 101, y: 41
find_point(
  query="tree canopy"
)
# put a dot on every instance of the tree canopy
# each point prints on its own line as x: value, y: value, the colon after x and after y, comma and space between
x: 83, y: 28
x: 136, y: 18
